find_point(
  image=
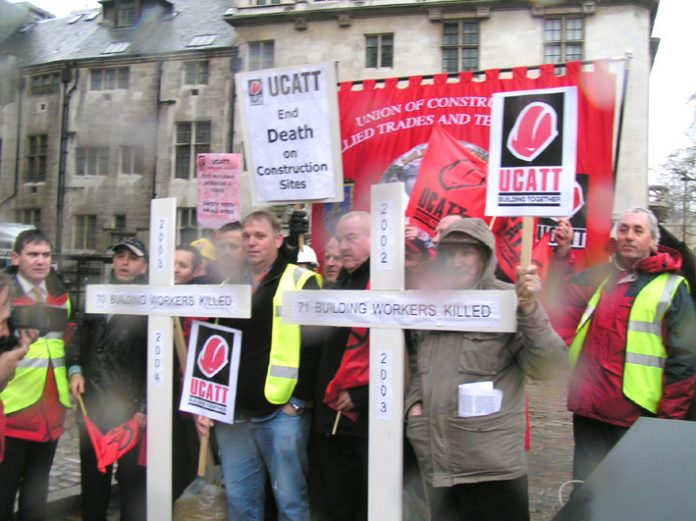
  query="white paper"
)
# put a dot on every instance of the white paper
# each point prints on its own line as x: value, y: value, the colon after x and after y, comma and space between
x: 479, y: 399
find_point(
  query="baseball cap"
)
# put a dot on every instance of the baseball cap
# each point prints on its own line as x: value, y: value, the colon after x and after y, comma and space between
x: 134, y: 245
x: 206, y: 248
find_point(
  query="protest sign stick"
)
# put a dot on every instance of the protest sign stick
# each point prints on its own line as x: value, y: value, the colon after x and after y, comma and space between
x: 335, y: 425
x: 204, y: 453
x: 527, y: 241
x: 181, y: 353
x: 492, y: 223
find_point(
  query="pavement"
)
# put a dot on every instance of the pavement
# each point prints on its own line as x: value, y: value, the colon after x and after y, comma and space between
x: 550, y: 459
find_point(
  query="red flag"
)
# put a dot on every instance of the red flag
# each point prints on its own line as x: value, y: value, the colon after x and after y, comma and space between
x: 111, y: 446
x: 451, y: 180
x: 354, y: 370
x: 508, y: 237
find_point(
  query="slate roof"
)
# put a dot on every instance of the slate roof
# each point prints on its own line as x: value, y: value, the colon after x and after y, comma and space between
x: 61, y: 39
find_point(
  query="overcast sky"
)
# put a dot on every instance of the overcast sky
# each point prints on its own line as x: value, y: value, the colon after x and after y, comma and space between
x: 673, y: 78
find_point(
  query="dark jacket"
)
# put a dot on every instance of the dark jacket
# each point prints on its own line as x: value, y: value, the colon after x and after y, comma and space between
x: 256, y: 348
x: 112, y: 351
x: 595, y: 389
x: 334, y: 341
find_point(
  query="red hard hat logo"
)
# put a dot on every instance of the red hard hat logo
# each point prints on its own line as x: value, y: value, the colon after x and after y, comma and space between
x: 214, y: 356
x: 534, y: 130
x: 255, y: 87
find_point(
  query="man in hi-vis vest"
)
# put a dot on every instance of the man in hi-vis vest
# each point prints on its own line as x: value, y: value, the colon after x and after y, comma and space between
x: 275, y: 386
x: 37, y: 398
x: 631, y: 328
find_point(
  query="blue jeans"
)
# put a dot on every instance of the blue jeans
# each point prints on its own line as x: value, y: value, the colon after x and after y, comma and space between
x: 277, y: 444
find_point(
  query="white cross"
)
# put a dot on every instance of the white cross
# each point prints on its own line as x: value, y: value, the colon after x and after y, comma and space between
x: 161, y: 301
x: 478, y: 310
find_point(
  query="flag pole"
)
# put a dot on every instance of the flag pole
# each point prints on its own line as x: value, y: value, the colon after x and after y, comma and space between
x: 335, y: 425
x: 619, y: 131
x: 82, y: 405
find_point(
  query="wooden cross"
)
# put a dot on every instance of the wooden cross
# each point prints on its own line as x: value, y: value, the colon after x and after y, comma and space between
x: 161, y: 300
x: 387, y: 309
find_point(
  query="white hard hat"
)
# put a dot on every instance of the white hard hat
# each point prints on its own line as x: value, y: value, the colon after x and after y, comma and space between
x: 307, y: 255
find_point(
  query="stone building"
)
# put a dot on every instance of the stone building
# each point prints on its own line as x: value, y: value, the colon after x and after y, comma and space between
x: 103, y: 110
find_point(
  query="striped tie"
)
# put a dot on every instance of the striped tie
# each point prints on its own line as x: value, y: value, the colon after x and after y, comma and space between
x: 37, y: 293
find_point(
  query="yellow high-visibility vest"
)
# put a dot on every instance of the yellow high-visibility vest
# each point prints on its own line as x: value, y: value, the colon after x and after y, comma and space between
x: 284, y: 363
x: 646, y: 353
x: 27, y: 386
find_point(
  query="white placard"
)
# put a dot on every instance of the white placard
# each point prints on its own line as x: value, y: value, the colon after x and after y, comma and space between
x: 474, y: 310
x: 291, y: 133
x: 182, y: 301
x: 212, y: 366
x: 384, y: 387
x: 533, y: 150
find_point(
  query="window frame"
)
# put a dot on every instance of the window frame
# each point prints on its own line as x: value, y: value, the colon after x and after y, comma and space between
x: 376, y: 55
x: 44, y: 84
x: 185, y: 151
x: 259, y: 54
x: 465, y: 51
x: 131, y: 160
x: 109, y: 78
x: 564, y: 41
x: 196, y: 72
x: 85, y: 235
x: 92, y: 161
x: 37, y: 158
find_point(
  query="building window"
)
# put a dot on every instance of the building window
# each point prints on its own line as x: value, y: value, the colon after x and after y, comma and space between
x: 131, y: 160
x: 36, y: 158
x: 563, y: 39
x: 120, y: 223
x: 109, y: 79
x: 192, y: 138
x: 188, y: 225
x: 261, y: 55
x: 125, y: 14
x: 85, y: 232
x: 460, y: 46
x: 379, y: 50
x: 196, y: 72
x: 45, y: 84
x: 29, y: 216
x: 266, y: 2
x: 92, y: 161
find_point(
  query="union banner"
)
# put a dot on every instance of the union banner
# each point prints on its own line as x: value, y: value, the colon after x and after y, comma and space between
x: 386, y: 126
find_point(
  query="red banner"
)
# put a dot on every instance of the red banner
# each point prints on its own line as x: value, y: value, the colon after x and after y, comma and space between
x: 386, y: 128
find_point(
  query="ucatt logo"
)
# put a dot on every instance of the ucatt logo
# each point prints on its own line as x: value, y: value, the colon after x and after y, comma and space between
x: 255, y: 88
x: 214, y: 356
x: 534, y: 130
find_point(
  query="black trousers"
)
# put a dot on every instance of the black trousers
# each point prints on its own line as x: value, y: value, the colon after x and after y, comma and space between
x: 486, y: 501
x: 343, y: 486
x: 25, y: 470
x: 593, y: 441
x: 96, y: 485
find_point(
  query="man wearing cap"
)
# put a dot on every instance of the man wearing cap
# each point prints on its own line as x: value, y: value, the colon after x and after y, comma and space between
x: 37, y: 398
x: 107, y: 360
x: 476, y: 465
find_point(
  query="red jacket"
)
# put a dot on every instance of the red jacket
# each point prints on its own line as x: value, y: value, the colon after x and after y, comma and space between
x: 596, y: 383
